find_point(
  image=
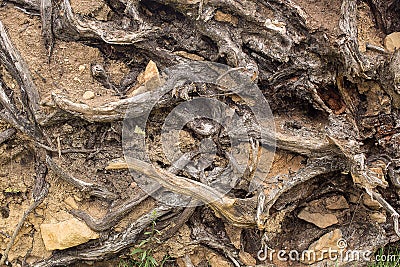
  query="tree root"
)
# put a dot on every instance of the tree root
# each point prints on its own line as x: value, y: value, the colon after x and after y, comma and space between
x: 90, y: 188
x: 18, y: 69
x: 7, y: 134
x: 117, y: 214
x: 202, y: 236
x: 179, y: 221
x: 39, y: 193
x: 393, y: 213
x: 108, y: 112
x: 310, y: 144
x: 85, y: 29
x: 276, y: 188
x: 113, y: 216
x: 46, y: 14
x: 236, y: 211
x: 355, y: 63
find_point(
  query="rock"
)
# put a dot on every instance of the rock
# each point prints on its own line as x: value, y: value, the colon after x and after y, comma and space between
x: 337, y: 203
x: 319, y: 219
x: 150, y: 77
x: 247, y: 259
x: 218, y: 261
x: 329, y: 241
x: 66, y: 234
x: 223, y: 17
x: 392, y: 41
x: 234, y: 234
x: 378, y: 217
x: 354, y: 199
x: 88, y: 95
x: 370, y: 202
x: 70, y: 201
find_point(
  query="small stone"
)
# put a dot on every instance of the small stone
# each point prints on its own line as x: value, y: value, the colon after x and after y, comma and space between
x: 379, y: 172
x: 234, y: 234
x: 378, y: 217
x: 88, y: 95
x: 337, y: 203
x: 354, y: 199
x: 392, y: 41
x: 66, y: 234
x: 218, y: 261
x: 223, y: 17
x: 81, y: 68
x: 370, y: 202
x: 70, y: 201
x: 319, y: 219
x: 329, y: 241
x: 247, y: 259
x: 150, y: 77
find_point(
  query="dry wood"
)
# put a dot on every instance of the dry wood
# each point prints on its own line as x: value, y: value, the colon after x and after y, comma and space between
x: 314, y: 88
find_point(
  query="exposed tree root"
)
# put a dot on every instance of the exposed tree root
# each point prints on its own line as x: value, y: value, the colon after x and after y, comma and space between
x: 6, y: 135
x: 313, y: 87
x: 84, y: 29
x: 39, y: 193
x: 90, y: 188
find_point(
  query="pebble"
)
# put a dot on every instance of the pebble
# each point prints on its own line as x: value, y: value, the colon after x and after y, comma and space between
x: 318, y: 219
x: 88, y: 95
x: 392, y: 41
